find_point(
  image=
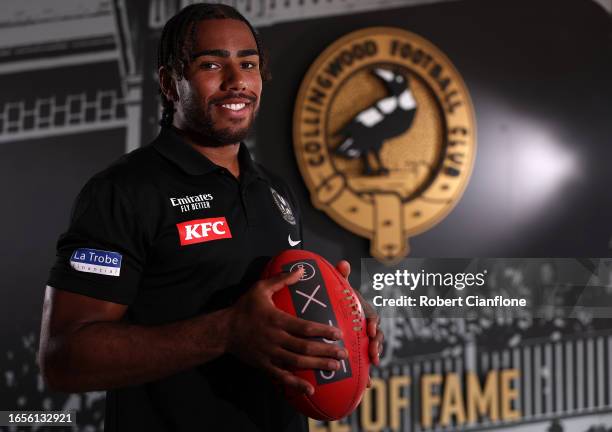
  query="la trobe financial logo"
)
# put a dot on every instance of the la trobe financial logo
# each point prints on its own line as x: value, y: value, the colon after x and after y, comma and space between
x: 385, y: 136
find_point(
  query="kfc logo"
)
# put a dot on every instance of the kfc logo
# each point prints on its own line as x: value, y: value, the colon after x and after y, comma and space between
x: 203, y: 230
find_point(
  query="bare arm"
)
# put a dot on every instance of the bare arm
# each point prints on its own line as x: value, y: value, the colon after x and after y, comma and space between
x: 85, y: 346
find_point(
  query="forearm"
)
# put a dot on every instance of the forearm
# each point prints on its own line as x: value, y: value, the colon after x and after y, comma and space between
x: 106, y: 355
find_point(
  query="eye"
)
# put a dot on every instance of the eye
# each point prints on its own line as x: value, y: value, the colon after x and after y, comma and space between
x: 249, y: 65
x: 209, y: 66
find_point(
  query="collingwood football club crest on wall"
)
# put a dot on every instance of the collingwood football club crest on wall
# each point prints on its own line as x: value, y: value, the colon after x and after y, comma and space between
x: 385, y: 136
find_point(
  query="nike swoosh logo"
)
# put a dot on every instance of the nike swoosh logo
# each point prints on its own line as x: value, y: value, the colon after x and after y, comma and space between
x: 293, y: 243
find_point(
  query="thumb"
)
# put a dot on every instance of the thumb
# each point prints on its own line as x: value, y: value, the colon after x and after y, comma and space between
x: 278, y: 282
x: 344, y: 268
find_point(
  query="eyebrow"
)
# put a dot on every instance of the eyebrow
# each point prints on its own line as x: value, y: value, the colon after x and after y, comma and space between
x: 224, y: 53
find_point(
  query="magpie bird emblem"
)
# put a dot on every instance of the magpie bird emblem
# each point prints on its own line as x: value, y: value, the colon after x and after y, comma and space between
x: 384, y: 134
x: 386, y: 118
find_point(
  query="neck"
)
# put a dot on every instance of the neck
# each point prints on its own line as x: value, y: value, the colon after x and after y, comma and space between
x: 225, y: 156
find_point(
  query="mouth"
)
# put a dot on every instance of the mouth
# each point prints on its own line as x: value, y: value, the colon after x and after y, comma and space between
x: 234, y: 106
x: 237, y: 109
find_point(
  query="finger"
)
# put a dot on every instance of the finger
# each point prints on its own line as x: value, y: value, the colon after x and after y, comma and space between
x: 369, y: 381
x: 344, y: 268
x: 369, y: 311
x: 290, y: 380
x: 372, y: 327
x: 304, y: 328
x: 312, y: 348
x: 276, y: 283
x: 288, y: 360
x: 374, y: 352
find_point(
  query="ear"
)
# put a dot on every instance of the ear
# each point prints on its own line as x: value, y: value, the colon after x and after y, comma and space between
x: 167, y: 83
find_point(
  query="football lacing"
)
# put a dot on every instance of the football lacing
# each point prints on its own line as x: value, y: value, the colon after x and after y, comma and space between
x: 355, y: 307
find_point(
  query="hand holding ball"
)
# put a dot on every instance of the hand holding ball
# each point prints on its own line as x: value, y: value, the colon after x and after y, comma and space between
x: 322, y: 295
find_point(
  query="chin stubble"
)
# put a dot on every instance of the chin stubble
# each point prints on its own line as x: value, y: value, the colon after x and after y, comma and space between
x: 202, y: 122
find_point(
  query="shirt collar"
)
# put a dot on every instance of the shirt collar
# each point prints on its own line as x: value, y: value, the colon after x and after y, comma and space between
x: 174, y: 148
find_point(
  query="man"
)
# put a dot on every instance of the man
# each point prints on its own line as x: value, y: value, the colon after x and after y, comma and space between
x: 155, y: 295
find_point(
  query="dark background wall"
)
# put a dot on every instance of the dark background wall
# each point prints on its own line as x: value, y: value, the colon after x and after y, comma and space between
x: 539, y: 76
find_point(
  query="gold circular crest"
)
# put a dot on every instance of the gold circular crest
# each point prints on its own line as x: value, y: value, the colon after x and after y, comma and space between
x: 385, y: 136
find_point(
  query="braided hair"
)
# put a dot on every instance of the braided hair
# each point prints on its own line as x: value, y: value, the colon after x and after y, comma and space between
x: 179, y: 37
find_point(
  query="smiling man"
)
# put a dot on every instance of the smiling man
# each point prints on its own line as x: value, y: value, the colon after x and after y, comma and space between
x: 156, y: 294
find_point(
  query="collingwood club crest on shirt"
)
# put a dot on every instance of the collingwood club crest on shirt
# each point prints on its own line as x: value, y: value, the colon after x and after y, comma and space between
x: 385, y: 136
x: 283, y: 207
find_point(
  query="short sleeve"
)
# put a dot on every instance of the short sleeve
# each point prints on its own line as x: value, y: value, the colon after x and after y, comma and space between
x: 102, y: 253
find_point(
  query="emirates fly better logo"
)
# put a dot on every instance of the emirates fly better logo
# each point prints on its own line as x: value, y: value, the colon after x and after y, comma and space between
x: 203, y: 230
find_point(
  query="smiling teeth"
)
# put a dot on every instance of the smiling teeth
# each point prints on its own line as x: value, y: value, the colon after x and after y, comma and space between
x: 234, y: 107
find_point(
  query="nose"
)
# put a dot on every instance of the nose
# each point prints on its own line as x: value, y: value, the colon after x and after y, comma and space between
x: 234, y: 79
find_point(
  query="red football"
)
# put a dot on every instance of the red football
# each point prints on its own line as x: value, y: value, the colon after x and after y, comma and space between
x: 324, y: 296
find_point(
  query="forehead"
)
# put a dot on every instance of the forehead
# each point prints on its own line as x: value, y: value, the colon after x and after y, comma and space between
x: 228, y: 34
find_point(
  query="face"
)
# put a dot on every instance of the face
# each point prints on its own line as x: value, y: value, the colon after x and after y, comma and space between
x: 218, y: 97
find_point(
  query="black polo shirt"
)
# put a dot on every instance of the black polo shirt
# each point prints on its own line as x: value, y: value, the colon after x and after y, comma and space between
x: 172, y: 235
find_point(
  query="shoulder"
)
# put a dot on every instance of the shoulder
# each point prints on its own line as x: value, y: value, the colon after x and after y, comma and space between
x: 275, y: 180
x: 133, y: 169
x: 279, y: 184
x: 129, y: 185
x: 270, y: 175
